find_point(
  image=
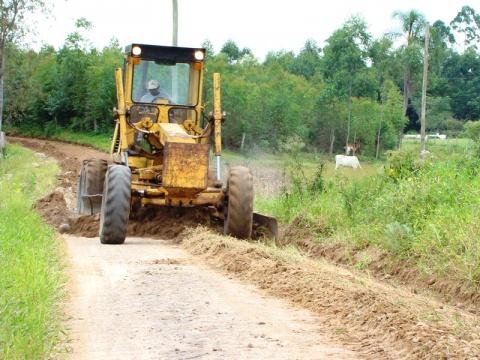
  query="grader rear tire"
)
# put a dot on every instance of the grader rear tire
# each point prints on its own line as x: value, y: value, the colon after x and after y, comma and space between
x: 92, y: 177
x: 240, y: 203
x: 115, y: 205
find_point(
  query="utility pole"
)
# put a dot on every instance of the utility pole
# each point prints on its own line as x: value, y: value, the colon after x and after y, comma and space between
x: 175, y: 23
x: 174, y: 90
x: 424, y: 90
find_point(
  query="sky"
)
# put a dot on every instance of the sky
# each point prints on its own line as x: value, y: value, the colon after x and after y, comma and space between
x: 261, y: 26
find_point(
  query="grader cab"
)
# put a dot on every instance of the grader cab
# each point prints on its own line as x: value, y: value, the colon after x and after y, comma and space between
x: 161, y: 148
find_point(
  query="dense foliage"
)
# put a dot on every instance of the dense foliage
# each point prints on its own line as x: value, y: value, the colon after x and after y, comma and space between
x: 355, y: 89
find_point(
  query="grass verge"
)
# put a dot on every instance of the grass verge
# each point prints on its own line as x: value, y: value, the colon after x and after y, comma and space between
x: 421, y: 214
x: 32, y: 275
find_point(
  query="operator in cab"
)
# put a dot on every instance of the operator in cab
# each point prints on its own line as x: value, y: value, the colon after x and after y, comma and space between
x: 153, y: 87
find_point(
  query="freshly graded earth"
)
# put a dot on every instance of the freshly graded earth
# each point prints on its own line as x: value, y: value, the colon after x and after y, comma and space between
x: 179, y: 289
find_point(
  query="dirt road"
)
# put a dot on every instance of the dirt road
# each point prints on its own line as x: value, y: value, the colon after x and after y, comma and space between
x: 177, y: 291
x: 149, y: 299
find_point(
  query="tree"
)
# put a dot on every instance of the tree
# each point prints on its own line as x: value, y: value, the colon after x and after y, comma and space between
x: 209, y: 52
x: 345, y: 60
x: 233, y: 51
x: 392, y: 115
x: 306, y: 64
x: 439, y: 114
x: 331, y: 113
x: 12, y: 29
x: 285, y: 59
x: 27, y: 74
x: 467, y: 22
x: 441, y: 40
x: 461, y: 71
x: 472, y: 131
x: 413, y: 26
x: 101, y: 97
x: 384, y: 60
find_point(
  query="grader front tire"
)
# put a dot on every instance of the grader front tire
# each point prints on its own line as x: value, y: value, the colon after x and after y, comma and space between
x: 115, y: 205
x: 240, y: 203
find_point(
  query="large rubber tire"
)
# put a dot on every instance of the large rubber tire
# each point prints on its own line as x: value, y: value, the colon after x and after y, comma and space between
x: 92, y: 177
x: 115, y: 205
x: 240, y: 203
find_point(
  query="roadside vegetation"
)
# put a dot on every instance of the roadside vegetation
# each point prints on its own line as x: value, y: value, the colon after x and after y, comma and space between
x: 420, y: 213
x: 32, y: 275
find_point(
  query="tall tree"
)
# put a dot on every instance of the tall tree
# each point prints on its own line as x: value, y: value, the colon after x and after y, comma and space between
x: 413, y: 26
x: 467, y: 22
x: 345, y: 60
x: 393, y: 120
x: 306, y: 64
x: 461, y: 71
x: 207, y: 45
x: 441, y: 40
x: 101, y: 94
x: 233, y: 51
x: 12, y: 29
x: 66, y: 102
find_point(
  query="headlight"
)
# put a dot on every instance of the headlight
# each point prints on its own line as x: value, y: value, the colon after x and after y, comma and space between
x: 136, y: 51
x: 199, y: 55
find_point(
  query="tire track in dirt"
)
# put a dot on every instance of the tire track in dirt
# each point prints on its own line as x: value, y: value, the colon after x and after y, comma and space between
x: 149, y: 299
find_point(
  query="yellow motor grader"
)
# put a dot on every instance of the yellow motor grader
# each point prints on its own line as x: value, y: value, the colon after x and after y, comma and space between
x: 161, y: 151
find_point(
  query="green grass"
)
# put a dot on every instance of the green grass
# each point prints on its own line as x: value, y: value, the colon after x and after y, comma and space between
x: 425, y: 211
x: 439, y: 146
x: 32, y: 274
x: 101, y: 141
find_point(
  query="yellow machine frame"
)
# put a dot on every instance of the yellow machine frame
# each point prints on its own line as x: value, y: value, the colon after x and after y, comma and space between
x: 177, y: 174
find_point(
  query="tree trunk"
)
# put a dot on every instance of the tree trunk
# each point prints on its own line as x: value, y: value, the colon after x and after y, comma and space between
x: 424, y: 90
x: 332, y: 141
x: 2, y: 73
x: 349, y: 117
x: 377, y: 149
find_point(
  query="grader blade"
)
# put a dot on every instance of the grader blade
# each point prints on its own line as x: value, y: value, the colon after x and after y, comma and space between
x: 268, y: 221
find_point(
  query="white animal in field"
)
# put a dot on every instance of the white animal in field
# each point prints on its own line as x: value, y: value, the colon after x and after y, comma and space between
x: 347, y: 161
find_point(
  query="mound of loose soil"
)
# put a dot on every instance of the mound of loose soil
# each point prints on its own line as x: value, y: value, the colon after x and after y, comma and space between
x: 53, y: 208
x: 387, y: 321
x: 379, y: 264
x: 164, y: 223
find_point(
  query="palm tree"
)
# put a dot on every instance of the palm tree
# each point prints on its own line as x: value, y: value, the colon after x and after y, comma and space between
x: 413, y: 26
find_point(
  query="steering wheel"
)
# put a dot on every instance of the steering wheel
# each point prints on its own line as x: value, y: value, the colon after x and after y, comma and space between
x: 163, y: 100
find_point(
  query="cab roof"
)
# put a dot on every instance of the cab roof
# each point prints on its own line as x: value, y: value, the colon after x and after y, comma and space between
x: 165, y: 53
